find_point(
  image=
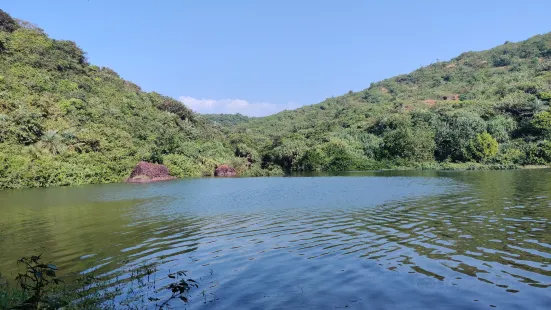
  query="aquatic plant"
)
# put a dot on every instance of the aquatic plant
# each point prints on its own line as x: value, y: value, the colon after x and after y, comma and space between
x: 38, y: 287
x: 35, y: 282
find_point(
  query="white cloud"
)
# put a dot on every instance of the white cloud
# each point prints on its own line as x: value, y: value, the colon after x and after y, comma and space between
x: 232, y: 106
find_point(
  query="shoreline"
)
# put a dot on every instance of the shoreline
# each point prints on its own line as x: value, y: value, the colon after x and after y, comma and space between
x: 420, y: 167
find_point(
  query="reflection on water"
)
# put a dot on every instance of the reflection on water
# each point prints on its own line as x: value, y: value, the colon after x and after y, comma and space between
x: 354, y: 240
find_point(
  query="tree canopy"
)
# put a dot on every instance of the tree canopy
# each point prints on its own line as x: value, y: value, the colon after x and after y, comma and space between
x: 486, y: 107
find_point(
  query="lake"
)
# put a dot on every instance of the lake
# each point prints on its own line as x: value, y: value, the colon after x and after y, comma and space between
x: 356, y: 240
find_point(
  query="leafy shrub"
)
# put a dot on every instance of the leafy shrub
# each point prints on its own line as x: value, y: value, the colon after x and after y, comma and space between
x: 545, y: 96
x: 257, y: 171
x: 181, y: 166
x: 7, y: 23
x: 542, y: 123
x: 501, y: 127
x: 484, y: 146
x: 410, y: 143
x: 520, y: 104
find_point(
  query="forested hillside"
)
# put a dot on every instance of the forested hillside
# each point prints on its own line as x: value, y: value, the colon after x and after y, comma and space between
x: 227, y: 120
x: 64, y: 121
x: 483, y: 108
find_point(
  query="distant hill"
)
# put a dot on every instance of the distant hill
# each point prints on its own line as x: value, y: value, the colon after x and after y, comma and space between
x: 486, y: 107
x: 227, y: 120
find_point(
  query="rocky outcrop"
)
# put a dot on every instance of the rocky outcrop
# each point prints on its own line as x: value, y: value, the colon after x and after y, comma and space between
x: 225, y: 171
x: 147, y: 172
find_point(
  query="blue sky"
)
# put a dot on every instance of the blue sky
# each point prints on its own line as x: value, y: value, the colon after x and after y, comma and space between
x: 260, y: 57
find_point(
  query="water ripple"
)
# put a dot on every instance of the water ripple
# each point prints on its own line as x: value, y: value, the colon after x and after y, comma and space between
x: 443, y: 243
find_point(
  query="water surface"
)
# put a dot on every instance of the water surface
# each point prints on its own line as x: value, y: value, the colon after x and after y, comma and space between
x: 357, y: 240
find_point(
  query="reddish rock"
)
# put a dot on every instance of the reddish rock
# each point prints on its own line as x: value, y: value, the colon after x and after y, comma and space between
x: 147, y: 172
x: 224, y: 171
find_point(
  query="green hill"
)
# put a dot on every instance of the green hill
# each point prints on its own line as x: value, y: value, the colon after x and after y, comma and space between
x: 227, y: 120
x: 486, y: 107
x: 64, y: 121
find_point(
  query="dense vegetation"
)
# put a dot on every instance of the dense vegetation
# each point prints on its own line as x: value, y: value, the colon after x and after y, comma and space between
x: 227, y: 119
x: 479, y: 110
x: 64, y: 121
x: 39, y: 287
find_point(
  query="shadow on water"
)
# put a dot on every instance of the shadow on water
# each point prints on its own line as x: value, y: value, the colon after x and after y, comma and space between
x: 357, y: 240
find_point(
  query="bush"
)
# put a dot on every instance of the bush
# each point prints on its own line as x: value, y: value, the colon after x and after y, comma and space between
x: 546, y: 151
x: 484, y: 146
x: 7, y: 23
x: 511, y: 155
x: 257, y: 171
x: 454, y: 134
x: 545, y: 96
x: 239, y: 164
x: 501, y: 127
x: 542, y: 123
x: 181, y: 166
x: 414, y: 144
x: 520, y: 104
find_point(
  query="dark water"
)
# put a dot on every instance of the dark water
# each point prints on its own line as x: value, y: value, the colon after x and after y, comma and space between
x: 394, y: 240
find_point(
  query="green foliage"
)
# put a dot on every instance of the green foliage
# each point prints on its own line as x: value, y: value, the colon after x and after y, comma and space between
x: 181, y: 166
x: 7, y: 23
x: 484, y: 146
x: 520, y: 104
x: 404, y: 121
x: 288, y: 153
x: 410, y: 143
x: 501, y: 127
x: 38, y: 287
x: 542, y: 123
x: 64, y: 121
x: 172, y: 106
x: 545, y: 96
x: 546, y: 151
x: 454, y: 134
x: 268, y: 171
x: 371, y: 144
x: 227, y: 119
x: 35, y: 281
x: 341, y: 155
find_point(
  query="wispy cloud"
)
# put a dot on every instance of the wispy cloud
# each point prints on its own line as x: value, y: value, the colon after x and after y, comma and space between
x: 232, y: 106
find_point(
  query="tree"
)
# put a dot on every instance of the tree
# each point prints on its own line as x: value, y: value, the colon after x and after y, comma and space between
x: 484, y: 146
x: 520, y: 104
x: 501, y: 127
x: 410, y: 143
x: 7, y: 23
x: 542, y: 123
x: 53, y: 142
x: 289, y: 152
x: 341, y: 155
x: 315, y: 159
x: 454, y: 133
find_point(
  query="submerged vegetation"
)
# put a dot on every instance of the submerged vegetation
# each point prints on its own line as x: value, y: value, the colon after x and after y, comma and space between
x: 38, y: 287
x: 64, y: 121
